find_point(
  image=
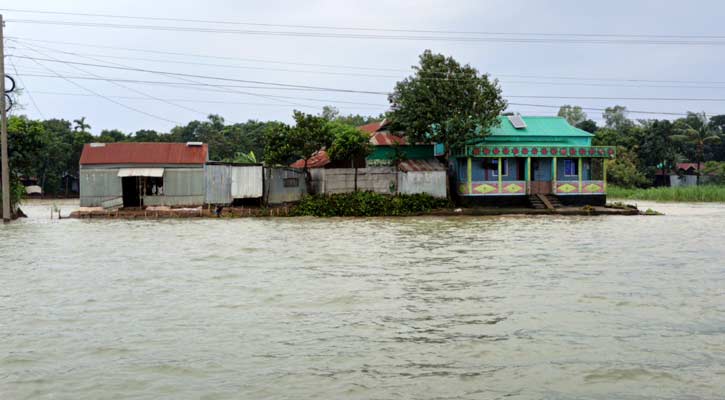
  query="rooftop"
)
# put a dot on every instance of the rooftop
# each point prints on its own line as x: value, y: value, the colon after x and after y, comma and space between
x: 144, y: 153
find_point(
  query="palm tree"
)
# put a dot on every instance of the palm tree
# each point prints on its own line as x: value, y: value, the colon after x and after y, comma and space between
x: 81, y: 125
x: 696, y: 130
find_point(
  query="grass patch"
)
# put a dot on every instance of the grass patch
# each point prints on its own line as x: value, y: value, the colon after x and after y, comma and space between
x: 367, y: 204
x: 703, y: 193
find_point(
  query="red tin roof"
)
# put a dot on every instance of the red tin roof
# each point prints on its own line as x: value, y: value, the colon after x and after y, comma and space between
x: 318, y: 160
x: 421, y: 165
x: 143, y: 153
x: 387, y: 139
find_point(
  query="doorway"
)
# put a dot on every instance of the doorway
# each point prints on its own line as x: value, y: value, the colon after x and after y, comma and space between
x: 131, y: 197
x: 541, y: 175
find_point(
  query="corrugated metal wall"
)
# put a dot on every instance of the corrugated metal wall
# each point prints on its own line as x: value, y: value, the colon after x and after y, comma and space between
x: 218, y: 184
x: 247, y: 182
x: 277, y: 192
x: 182, y: 186
x: 98, y: 185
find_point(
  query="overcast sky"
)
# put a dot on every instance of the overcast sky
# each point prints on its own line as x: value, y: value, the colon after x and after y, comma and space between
x: 387, y: 60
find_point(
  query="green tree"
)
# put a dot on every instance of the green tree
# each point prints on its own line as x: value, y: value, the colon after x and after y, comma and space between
x: 112, y: 136
x: 349, y: 143
x: 696, y: 130
x: 445, y: 102
x: 587, y: 125
x: 624, y: 171
x: 332, y: 114
x: 310, y: 134
x: 574, y: 114
x: 81, y: 125
x: 616, y: 118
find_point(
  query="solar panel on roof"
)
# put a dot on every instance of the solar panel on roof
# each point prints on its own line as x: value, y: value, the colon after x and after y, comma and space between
x: 517, y: 121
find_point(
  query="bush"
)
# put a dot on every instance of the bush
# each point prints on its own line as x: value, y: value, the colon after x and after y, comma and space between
x: 367, y: 204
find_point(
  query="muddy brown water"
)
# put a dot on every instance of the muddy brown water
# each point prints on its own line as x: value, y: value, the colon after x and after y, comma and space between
x: 425, y: 308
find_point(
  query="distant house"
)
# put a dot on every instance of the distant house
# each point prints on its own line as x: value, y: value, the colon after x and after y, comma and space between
x: 393, y: 166
x: 684, y: 174
x: 526, y: 156
x: 116, y: 175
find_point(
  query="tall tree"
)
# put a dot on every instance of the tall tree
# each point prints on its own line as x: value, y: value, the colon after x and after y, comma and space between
x: 445, y: 102
x: 696, y: 130
x: 349, y: 143
x: 310, y: 134
x: 574, y: 114
x: 81, y: 125
x: 616, y: 118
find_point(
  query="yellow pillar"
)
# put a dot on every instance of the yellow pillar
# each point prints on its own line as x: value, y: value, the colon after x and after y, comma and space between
x: 581, y: 174
x: 553, y: 175
x: 469, y: 176
x: 604, y: 170
x: 500, y: 178
x: 528, y: 174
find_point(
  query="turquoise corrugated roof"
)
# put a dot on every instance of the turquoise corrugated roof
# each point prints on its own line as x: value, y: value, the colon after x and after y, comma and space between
x: 539, y: 126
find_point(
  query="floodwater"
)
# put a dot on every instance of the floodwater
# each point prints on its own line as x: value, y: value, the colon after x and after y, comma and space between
x: 407, y: 308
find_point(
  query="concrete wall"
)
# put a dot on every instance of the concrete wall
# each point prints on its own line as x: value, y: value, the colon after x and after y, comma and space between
x: 279, y: 192
x: 430, y: 182
x: 382, y: 180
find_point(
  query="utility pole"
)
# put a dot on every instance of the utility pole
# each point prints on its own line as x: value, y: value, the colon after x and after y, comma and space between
x: 4, y: 130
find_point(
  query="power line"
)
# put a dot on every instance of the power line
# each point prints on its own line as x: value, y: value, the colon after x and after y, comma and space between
x: 687, y: 84
x: 30, y: 95
x: 105, y: 97
x: 180, y: 100
x: 509, y: 40
x: 205, y: 76
x: 618, y: 98
x: 224, y: 89
x: 132, y: 89
x: 347, y: 28
x: 202, y: 55
x: 604, y: 109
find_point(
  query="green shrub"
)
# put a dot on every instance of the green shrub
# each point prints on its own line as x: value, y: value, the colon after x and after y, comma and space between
x: 367, y: 204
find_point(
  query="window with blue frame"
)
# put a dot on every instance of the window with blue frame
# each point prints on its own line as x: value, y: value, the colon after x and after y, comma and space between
x: 571, y: 167
x: 504, y: 167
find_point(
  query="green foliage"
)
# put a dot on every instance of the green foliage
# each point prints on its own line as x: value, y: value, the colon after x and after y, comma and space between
x: 332, y: 114
x: 243, y: 158
x: 623, y: 170
x: 349, y: 143
x: 697, y: 132
x: 367, y: 204
x: 285, y: 144
x: 616, y: 118
x: 704, y: 193
x: 574, y: 114
x: 715, y: 172
x: 445, y: 102
x: 587, y: 125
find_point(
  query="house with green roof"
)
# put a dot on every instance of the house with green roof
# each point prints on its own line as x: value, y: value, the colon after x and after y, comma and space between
x: 525, y: 157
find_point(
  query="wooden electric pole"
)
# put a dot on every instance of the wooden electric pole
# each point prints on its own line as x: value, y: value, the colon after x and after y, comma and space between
x: 4, y: 130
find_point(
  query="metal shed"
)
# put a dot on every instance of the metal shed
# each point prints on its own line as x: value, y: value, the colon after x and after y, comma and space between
x: 142, y: 174
x: 226, y: 182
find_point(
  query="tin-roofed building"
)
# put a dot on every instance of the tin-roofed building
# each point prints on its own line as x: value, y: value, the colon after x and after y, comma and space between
x: 116, y: 175
x: 525, y: 156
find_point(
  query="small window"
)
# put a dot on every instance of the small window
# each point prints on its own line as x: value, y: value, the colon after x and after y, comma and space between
x: 291, y: 182
x: 571, y: 167
x: 504, y: 167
